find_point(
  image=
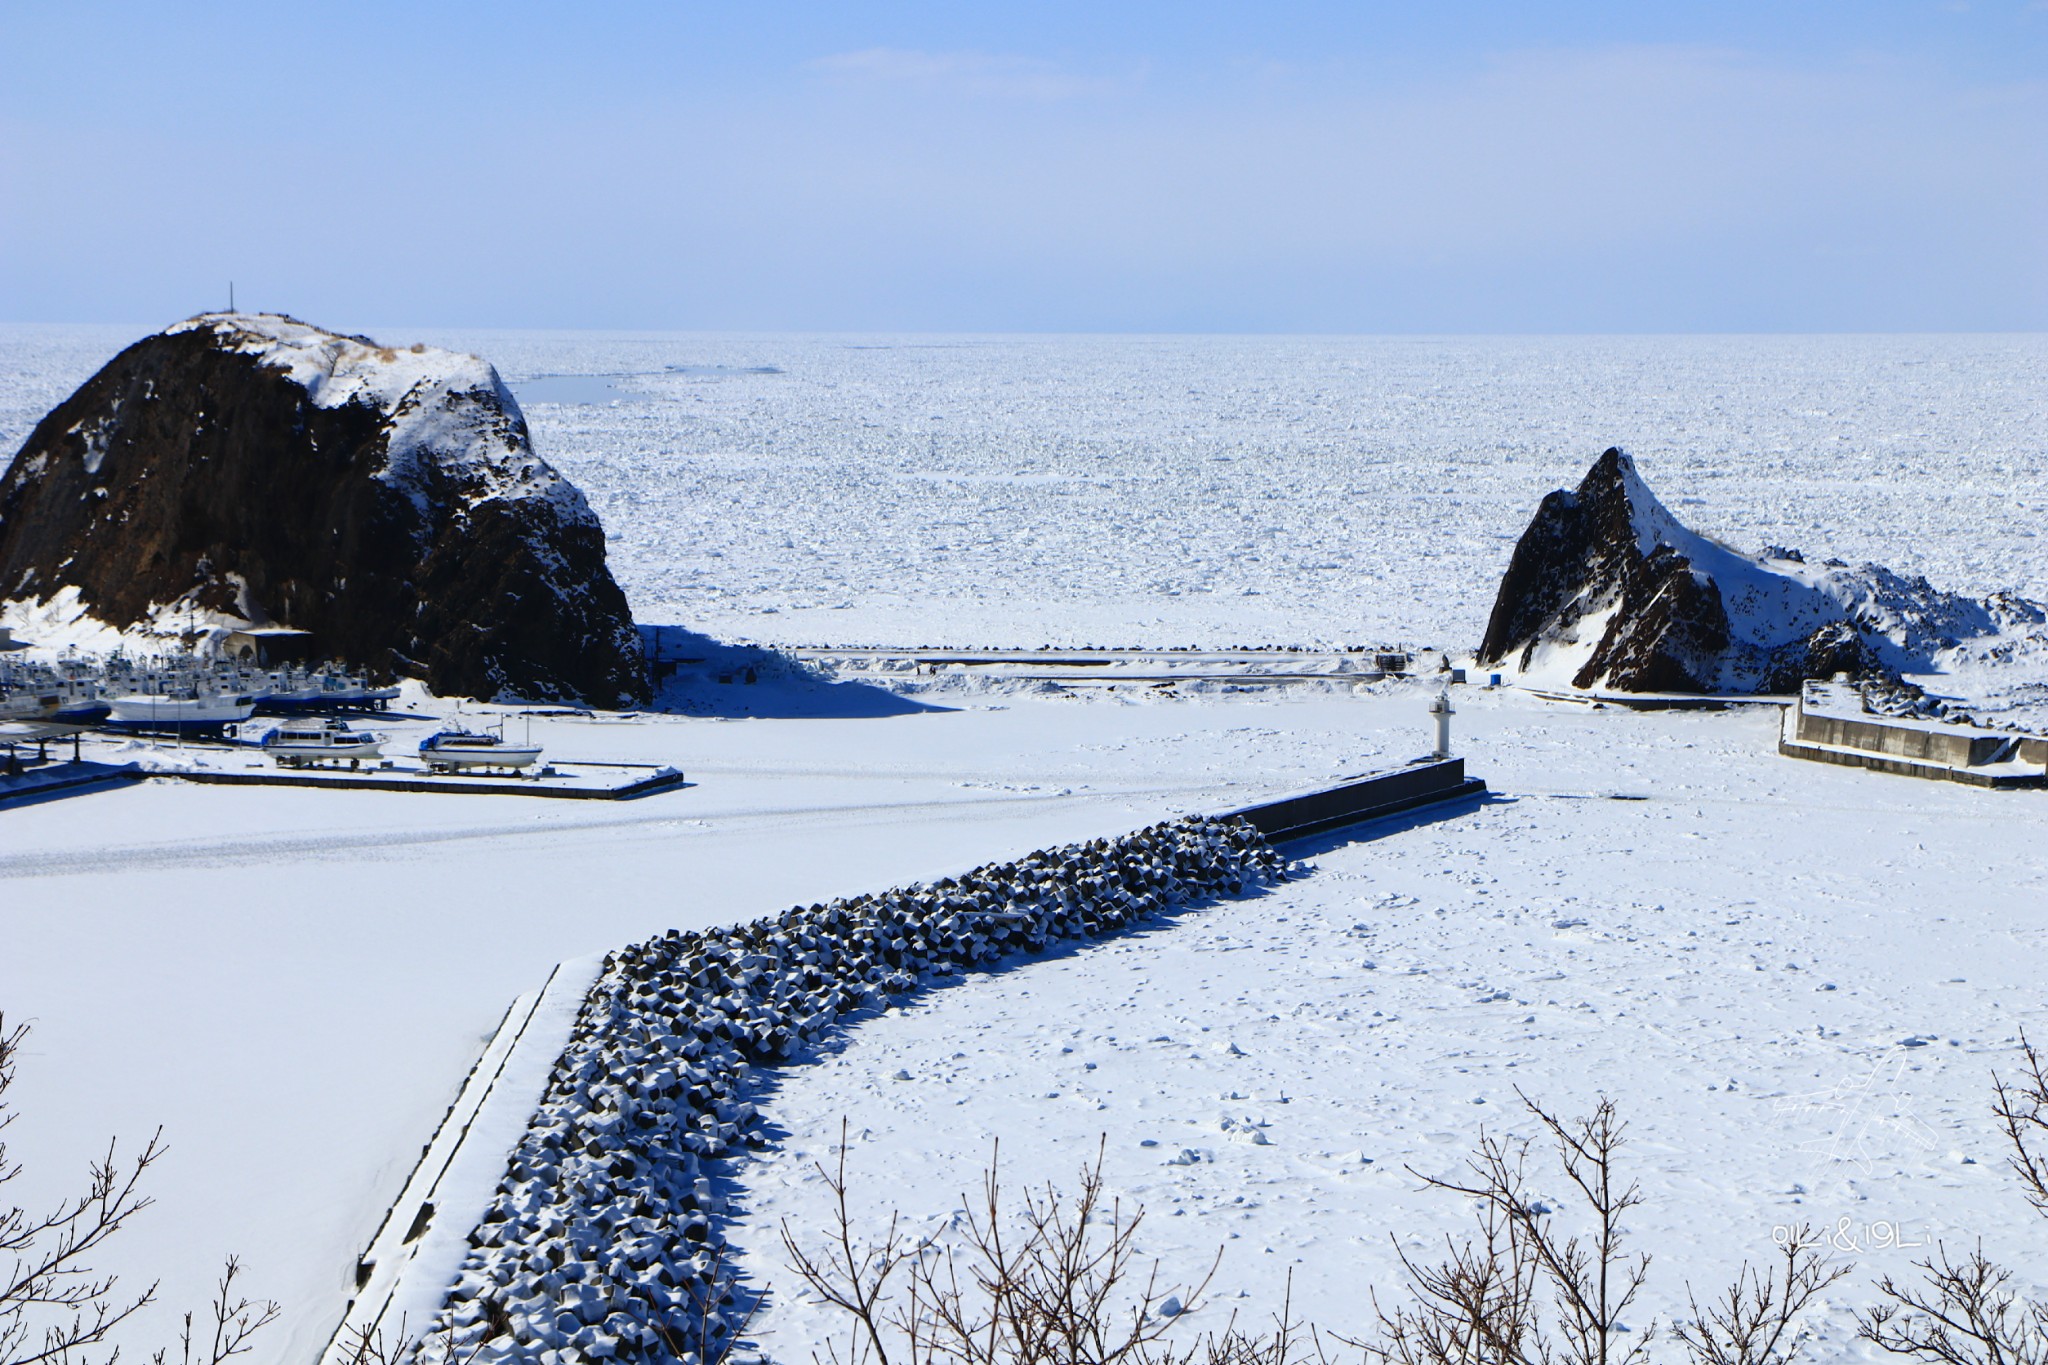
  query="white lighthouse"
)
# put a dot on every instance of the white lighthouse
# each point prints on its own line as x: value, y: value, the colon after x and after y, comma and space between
x: 1441, y: 709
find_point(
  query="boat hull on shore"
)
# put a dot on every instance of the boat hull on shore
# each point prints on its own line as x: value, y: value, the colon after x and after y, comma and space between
x: 462, y: 750
x: 159, y: 713
x: 315, y: 743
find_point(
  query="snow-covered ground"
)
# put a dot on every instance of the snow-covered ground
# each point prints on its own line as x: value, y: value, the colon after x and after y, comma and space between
x: 294, y: 982
x: 1655, y: 907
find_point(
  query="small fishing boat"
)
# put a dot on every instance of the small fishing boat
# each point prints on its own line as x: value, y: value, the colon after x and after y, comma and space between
x: 188, y: 710
x: 455, y: 749
x: 299, y: 743
x: 28, y: 704
x: 330, y: 687
x: 80, y: 701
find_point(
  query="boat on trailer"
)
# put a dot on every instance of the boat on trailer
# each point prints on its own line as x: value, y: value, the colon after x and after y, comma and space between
x: 455, y: 749
x: 305, y: 743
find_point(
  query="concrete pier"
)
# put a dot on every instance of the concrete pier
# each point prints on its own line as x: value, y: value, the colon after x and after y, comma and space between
x: 1359, y: 799
x: 1831, y: 724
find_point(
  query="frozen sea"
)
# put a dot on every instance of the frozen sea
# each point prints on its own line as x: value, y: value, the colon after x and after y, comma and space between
x: 1167, y: 490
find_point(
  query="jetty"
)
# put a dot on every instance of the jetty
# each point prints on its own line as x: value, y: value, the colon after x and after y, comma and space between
x: 1832, y: 723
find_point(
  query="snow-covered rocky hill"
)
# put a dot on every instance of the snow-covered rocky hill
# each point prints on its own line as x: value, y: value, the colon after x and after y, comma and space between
x: 251, y: 469
x: 1607, y: 589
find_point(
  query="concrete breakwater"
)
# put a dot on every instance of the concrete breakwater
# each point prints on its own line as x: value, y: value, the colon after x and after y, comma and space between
x: 603, y: 1240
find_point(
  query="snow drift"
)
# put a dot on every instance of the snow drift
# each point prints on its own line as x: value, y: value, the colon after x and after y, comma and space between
x: 1606, y: 589
x: 251, y: 469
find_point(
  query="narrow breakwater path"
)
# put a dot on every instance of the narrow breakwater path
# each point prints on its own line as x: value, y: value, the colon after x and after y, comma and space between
x: 604, y: 1238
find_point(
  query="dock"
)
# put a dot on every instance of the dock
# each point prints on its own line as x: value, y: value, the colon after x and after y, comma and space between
x: 1357, y: 800
x: 560, y: 781
x: 1120, y: 667
x: 1832, y: 723
x: 51, y: 779
x: 1660, y: 701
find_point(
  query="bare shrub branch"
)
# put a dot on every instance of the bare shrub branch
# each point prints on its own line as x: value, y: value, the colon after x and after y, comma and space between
x: 1755, y: 1321
x: 1965, y: 1315
x: 1476, y: 1306
x: 1481, y: 1303
x: 53, y: 1305
x: 55, y: 1308
x: 1524, y: 1291
x: 235, y: 1320
x: 1052, y: 1280
x: 1965, y: 1312
x: 2023, y: 1110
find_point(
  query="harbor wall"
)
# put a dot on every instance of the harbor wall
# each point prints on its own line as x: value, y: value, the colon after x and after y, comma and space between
x: 1360, y: 799
x: 603, y: 1236
x: 1902, y: 739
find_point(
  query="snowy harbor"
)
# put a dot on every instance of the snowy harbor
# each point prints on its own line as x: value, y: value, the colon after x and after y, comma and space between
x: 1682, y: 902
x: 1016, y: 684
x: 1767, y: 963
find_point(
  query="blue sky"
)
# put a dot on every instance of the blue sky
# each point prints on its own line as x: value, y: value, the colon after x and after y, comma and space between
x: 1452, y: 167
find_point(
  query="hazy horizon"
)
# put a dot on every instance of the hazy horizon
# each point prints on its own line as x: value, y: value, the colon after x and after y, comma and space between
x: 1485, y: 168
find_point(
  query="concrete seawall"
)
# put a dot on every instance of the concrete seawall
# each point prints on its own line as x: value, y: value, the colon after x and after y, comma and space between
x: 1357, y: 800
x: 1829, y: 725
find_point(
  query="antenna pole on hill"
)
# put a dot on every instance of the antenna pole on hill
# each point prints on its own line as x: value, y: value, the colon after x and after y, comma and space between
x: 231, y: 296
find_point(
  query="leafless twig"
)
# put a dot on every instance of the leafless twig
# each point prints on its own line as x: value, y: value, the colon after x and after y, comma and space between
x: 55, y: 1308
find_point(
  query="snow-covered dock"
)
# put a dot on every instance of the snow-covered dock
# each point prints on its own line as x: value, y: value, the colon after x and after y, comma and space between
x: 584, y: 781
x: 1357, y: 800
x: 68, y: 777
x: 1273, y: 667
x: 418, y: 1250
x: 1832, y: 724
x: 1657, y: 701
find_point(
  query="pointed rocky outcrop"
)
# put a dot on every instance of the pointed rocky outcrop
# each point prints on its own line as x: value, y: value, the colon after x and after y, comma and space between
x: 1598, y: 567
x: 1608, y: 590
x: 251, y: 468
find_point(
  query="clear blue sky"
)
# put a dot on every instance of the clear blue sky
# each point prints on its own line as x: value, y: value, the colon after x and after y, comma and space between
x: 1658, y: 165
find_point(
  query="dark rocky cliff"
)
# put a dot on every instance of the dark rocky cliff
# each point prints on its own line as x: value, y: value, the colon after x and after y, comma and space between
x: 1582, y: 558
x: 1606, y: 589
x: 257, y: 469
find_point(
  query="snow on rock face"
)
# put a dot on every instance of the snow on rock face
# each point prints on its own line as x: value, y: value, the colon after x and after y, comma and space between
x: 450, y: 415
x: 1607, y: 589
x: 255, y: 468
x: 605, y: 1239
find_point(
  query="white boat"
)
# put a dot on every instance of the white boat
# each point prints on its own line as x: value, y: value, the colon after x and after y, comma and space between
x: 28, y: 691
x: 329, y: 687
x: 298, y: 743
x: 31, y: 704
x: 292, y: 689
x: 187, y: 709
x: 456, y: 749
